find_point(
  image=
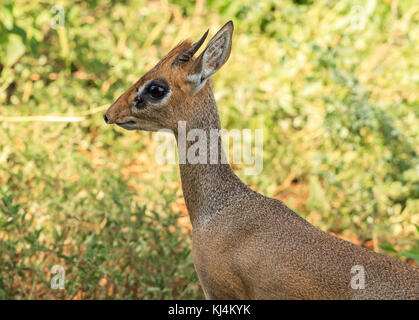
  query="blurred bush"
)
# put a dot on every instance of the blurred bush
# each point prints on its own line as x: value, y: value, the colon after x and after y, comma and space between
x: 337, y: 99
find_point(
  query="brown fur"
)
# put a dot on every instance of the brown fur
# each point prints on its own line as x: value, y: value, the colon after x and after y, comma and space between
x: 247, y: 246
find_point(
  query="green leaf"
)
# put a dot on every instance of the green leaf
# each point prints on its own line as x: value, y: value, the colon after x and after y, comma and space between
x: 388, y: 247
x: 317, y: 197
x: 14, y: 49
x: 411, y: 254
x: 6, y: 17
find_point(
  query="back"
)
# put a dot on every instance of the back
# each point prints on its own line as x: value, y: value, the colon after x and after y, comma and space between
x: 259, y: 248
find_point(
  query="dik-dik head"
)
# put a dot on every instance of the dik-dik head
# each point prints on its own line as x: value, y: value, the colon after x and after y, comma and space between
x: 167, y: 93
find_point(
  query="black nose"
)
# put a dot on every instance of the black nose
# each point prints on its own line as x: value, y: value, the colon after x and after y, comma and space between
x: 105, y: 118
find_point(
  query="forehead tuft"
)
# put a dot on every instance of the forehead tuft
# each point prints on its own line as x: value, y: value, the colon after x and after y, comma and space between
x: 164, y: 65
x: 175, y: 52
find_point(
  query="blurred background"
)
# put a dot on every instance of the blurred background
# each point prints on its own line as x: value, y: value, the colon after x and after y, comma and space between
x: 333, y: 84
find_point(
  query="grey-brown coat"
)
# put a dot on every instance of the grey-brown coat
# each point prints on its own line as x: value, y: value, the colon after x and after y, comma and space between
x: 245, y: 245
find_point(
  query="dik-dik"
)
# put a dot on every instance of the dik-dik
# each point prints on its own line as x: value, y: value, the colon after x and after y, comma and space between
x: 245, y: 245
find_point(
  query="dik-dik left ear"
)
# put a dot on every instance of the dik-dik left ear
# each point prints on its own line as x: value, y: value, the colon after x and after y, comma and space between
x: 212, y: 58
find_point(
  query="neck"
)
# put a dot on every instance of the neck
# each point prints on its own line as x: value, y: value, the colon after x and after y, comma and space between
x: 210, y: 185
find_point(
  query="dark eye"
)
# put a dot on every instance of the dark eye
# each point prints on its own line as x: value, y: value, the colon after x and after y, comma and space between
x: 156, y: 91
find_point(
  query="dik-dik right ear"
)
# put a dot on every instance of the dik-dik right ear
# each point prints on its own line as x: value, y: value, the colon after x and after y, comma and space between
x: 212, y: 58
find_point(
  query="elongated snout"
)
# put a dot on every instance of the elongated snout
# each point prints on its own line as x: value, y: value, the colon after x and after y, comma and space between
x: 115, y: 113
x: 119, y: 111
x: 108, y: 117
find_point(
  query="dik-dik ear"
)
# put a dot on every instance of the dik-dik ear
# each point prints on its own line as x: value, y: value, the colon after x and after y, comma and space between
x: 212, y: 58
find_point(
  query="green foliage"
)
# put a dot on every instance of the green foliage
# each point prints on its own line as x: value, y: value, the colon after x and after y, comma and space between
x: 122, y: 252
x: 339, y: 107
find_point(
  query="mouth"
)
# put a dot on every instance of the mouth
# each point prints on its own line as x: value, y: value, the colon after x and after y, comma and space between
x: 129, y: 125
